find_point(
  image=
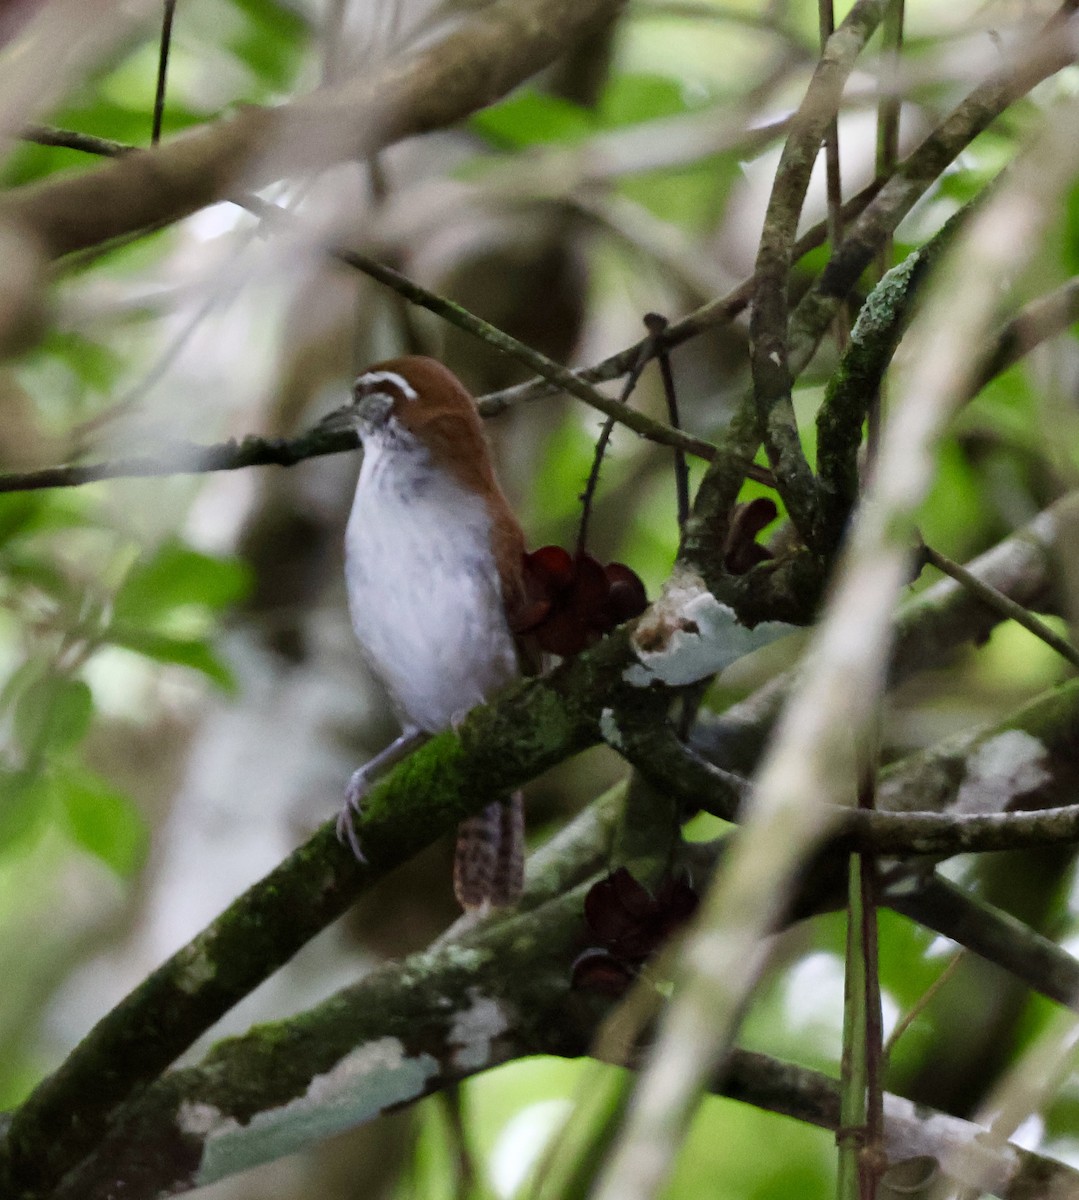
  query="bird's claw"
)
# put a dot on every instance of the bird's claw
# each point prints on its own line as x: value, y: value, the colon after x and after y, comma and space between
x: 358, y: 787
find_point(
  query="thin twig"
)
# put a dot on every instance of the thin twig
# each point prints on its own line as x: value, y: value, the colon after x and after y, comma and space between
x: 187, y: 458
x: 1043, y: 318
x: 720, y: 311
x: 872, y: 1158
x: 716, y: 313
x: 560, y: 376
x: 588, y: 495
x: 162, y: 71
x: 834, y: 175
x: 920, y: 1005
x: 1002, y: 604
x: 888, y: 108
x: 656, y: 325
x: 71, y: 139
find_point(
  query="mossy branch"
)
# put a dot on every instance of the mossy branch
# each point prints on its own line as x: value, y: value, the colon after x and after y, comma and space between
x: 501, y: 992
x: 532, y: 727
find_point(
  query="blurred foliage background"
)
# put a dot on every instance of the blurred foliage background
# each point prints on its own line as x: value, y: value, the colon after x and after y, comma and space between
x: 181, y: 700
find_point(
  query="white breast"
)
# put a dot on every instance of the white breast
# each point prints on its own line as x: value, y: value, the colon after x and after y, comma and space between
x: 423, y: 588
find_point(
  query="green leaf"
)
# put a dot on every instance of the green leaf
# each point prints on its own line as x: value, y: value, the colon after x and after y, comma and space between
x: 42, y: 573
x: 174, y: 577
x: 183, y: 652
x: 272, y: 41
x: 53, y: 714
x: 24, y: 513
x: 95, y: 365
x: 24, y: 675
x: 102, y: 820
x: 633, y: 98
x: 531, y: 119
x: 22, y: 805
x: 17, y: 513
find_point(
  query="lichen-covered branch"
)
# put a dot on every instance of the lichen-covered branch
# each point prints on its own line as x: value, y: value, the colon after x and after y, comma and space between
x: 777, y: 425
x: 495, y: 749
x: 816, y: 754
x: 1000, y: 788
x: 502, y: 991
x: 1050, y: 52
x: 268, y: 924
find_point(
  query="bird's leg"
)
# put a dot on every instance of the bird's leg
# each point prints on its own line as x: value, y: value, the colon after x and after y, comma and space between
x: 360, y: 784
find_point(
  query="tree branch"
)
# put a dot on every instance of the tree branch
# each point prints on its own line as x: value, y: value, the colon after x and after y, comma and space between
x: 476, y: 62
x: 1051, y: 51
x: 816, y: 752
x: 425, y: 796
x: 776, y: 423
x: 502, y: 992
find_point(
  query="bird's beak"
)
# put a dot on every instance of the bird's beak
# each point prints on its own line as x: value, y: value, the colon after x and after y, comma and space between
x: 373, y: 410
x: 342, y: 420
x: 360, y: 417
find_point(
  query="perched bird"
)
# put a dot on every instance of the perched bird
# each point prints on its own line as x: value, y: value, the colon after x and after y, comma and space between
x: 434, y: 561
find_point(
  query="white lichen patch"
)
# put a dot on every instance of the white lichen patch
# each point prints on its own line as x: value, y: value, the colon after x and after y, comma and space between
x: 1000, y: 769
x: 688, y: 635
x: 964, y: 1151
x: 608, y: 727
x: 363, y: 1084
x: 198, y: 971
x: 474, y: 1029
x: 201, y: 1119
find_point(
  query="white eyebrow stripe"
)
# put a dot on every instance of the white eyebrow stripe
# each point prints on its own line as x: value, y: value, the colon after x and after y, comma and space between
x: 398, y: 381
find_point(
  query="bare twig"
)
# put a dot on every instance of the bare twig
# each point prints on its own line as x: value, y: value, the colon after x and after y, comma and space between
x: 561, y: 377
x: 592, y: 482
x: 187, y: 458
x: 1007, y: 607
x: 70, y: 139
x: 717, y: 312
x: 162, y: 71
x: 923, y: 1001
x: 656, y: 324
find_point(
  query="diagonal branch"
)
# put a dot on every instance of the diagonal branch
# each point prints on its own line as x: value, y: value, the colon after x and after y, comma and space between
x: 777, y: 425
x: 408, y: 1029
x: 425, y: 796
x: 477, y: 61
x: 1051, y: 51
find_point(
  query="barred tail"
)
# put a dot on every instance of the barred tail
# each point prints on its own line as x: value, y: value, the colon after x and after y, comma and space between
x: 488, y: 868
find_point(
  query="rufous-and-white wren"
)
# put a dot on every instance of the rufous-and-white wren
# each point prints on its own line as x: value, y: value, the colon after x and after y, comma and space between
x: 433, y: 561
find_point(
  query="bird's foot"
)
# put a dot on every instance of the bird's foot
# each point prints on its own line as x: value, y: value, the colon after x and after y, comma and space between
x: 362, y: 781
x: 355, y: 791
